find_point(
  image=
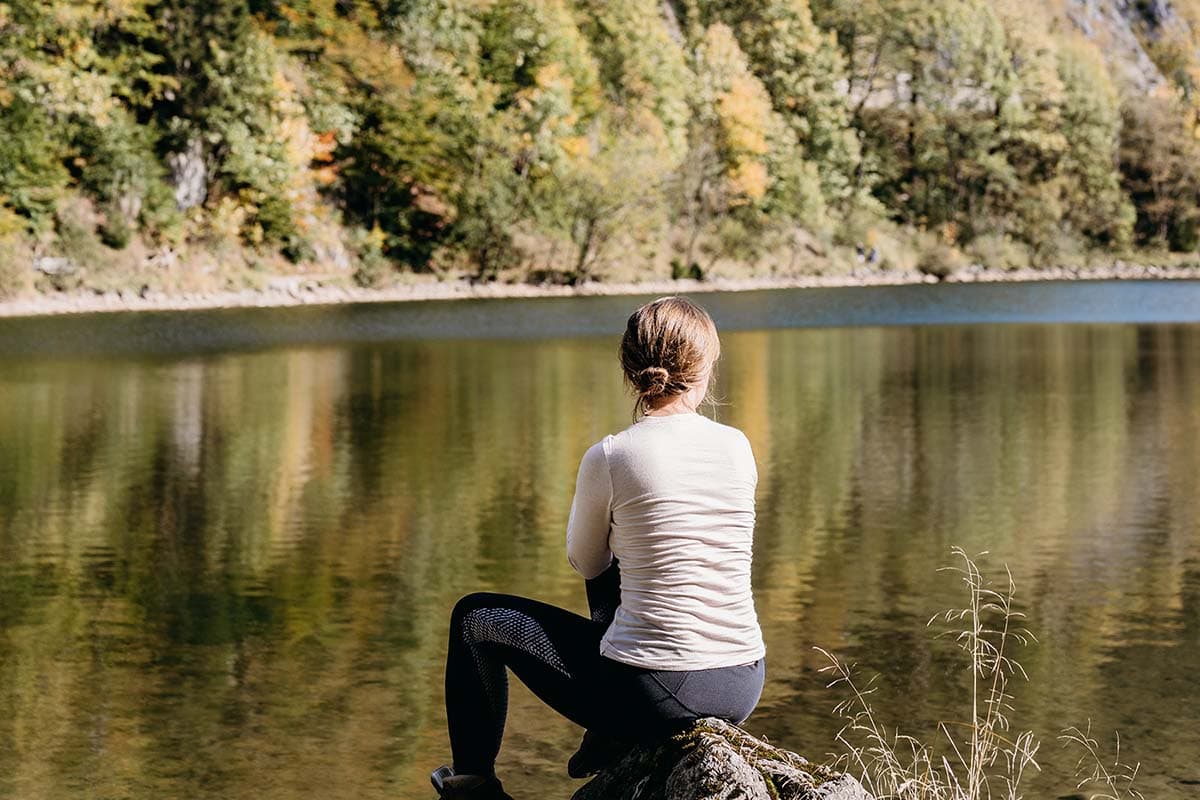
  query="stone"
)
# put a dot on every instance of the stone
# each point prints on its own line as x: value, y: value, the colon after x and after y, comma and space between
x: 189, y: 175
x: 1123, y: 29
x: 53, y: 265
x: 714, y: 760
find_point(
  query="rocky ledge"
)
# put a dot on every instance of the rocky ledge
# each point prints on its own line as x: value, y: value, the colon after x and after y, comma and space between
x: 714, y: 760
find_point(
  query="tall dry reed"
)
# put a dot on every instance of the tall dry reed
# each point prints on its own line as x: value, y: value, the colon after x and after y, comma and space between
x: 974, y: 759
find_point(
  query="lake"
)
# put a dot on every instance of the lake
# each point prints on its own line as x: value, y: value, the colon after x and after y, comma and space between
x: 230, y: 541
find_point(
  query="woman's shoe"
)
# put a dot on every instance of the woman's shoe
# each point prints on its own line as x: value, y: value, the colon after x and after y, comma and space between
x: 466, y: 787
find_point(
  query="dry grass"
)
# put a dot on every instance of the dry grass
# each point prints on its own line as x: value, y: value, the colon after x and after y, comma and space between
x: 979, y: 757
x: 16, y: 278
x: 1113, y: 779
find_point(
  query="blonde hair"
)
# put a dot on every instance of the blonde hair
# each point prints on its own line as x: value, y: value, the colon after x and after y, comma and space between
x: 669, y: 346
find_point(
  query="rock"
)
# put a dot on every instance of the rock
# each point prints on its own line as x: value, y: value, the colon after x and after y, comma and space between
x: 714, y: 760
x: 671, y: 20
x: 53, y: 265
x: 189, y: 174
x: 1123, y: 29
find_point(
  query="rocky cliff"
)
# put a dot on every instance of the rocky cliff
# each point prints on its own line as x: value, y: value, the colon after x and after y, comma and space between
x: 1127, y: 31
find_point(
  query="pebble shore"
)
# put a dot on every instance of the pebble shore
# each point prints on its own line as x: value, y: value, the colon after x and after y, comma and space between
x: 297, y: 291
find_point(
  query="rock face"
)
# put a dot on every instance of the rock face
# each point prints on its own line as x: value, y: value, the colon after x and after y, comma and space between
x: 714, y: 760
x: 189, y: 175
x: 1123, y: 29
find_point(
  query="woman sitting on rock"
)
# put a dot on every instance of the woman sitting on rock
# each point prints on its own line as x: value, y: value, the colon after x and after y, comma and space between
x: 671, y: 499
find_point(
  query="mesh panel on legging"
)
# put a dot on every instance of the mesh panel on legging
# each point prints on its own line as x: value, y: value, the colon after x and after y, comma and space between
x: 504, y: 626
x: 512, y: 628
x: 492, y: 631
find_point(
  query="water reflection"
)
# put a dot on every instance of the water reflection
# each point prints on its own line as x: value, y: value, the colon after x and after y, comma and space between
x: 228, y: 576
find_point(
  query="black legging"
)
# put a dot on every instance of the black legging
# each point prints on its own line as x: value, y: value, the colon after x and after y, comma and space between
x: 557, y: 655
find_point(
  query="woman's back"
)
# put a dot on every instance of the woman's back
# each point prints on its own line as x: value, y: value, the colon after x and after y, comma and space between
x: 674, y: 498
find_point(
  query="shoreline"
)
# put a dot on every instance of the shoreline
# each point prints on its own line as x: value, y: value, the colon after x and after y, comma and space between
x: 291, y: 291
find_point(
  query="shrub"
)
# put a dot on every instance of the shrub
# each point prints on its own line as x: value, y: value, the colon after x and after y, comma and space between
x: 277, y: 218
x: 1065, y: 249
x: 999, y: 251
x: 75, y: 224
x: 16, y: 278
x: 160, y: 218
x: 373, y: 269
x: 982, y: 758
x: 680, y: 271
x: 940, y: 260
x: 739, y: 239
x: 857, y: 226
x: 115, y: 231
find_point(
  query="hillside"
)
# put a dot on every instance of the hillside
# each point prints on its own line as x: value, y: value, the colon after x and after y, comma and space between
x: 170, y: 145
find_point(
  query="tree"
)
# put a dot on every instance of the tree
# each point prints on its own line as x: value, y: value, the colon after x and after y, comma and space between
x: 607, y: 197
x: 642, y: 69
x: 1160, y: 165
x: 1095, y: 202
x: 743, y: 160
x: 397, y: 173
x: 803, y: 71
x: 32, y: 176
x: 1028, y: 200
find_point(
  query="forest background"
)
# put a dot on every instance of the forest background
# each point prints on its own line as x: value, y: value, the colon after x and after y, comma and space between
x: 185, y: 146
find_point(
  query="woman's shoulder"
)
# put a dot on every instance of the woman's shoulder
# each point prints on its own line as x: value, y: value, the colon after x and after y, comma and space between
x: 736, y: 443
x: 598, y: 453
x: 656, y: 432
x: 720, y: 429
x: 728, y: 430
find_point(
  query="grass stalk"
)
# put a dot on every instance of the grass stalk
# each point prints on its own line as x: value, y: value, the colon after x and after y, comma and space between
x: 979, y: 759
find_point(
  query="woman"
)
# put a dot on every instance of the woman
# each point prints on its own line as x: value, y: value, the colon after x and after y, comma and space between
x: 671, y: 498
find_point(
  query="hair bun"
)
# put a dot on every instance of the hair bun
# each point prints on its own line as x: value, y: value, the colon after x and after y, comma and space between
x: 669, y: 348
x: 652, y: 381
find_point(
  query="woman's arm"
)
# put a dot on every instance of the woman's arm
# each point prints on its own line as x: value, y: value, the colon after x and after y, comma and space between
x: 591, y: 515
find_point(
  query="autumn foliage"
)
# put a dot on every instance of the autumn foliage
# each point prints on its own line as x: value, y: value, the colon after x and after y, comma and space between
x: 563, y: 139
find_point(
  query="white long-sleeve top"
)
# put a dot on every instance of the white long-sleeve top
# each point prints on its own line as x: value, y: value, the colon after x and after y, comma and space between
x: 672, y: 497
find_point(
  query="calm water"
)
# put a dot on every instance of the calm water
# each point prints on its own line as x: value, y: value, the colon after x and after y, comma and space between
x: 229, y: 542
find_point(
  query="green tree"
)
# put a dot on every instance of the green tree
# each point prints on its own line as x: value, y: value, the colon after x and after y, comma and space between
x: 604, y: 198
x: 1025, y: 193
x: 803, y: 71
x: 743, y: 160
x: 1095, y: 202
x: 417, y: 104
x: 642, y: 69
x: 545, y: 111
x: 42, y: 56
x: 1160, y: 166
x: 32, y: 176
x: 222, y: 88
x: 394, y: 174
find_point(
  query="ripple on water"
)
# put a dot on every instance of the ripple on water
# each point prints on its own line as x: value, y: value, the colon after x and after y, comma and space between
x: 230, y: 576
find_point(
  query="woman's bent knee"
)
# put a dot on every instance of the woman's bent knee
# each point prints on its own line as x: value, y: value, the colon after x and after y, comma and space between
x: 478, y: 600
